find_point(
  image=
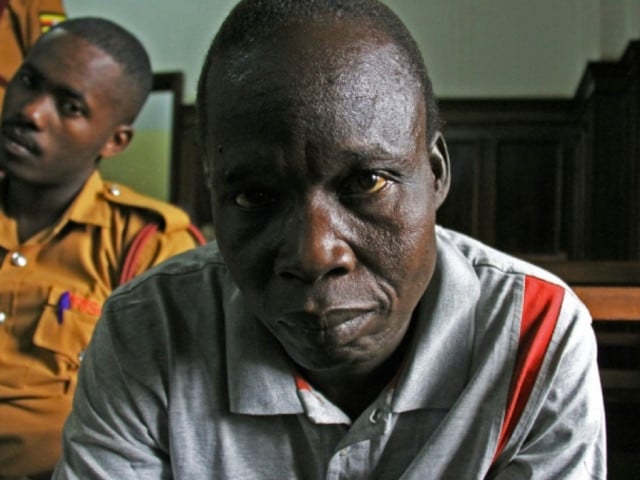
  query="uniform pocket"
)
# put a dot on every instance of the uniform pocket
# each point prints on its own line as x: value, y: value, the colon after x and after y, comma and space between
x: 59, y: 341
x: 66, y: 324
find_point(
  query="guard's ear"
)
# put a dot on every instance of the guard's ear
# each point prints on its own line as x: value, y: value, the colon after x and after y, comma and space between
x: 439, y: 161
x: 118, y: 141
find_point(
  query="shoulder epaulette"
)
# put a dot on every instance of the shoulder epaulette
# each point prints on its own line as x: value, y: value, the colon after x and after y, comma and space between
x: 173, y: 218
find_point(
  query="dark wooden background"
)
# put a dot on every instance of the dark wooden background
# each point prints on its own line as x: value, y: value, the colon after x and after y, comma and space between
x: 546, y: 179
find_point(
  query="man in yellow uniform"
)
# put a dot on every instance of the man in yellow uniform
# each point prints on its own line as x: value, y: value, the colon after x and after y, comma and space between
x: 21, y: 23
x: 65, y: 235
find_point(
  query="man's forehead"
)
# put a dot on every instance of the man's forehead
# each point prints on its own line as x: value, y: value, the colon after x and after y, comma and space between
x: 314, y: 54
x: 337, y: 80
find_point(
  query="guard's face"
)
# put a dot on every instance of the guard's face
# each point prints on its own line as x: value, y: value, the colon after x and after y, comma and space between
x: 324, y: 195
x: 62, y: 111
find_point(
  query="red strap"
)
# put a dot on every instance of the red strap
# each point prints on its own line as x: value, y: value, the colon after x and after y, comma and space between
x: 197, y: 234
x: 133, y: 255
x: 540, y: 310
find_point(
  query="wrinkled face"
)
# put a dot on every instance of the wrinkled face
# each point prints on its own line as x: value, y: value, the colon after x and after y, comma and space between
x: 324, y: 194
x: 60, y: 112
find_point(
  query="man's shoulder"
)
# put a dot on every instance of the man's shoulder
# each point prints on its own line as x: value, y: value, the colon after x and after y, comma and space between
x: 481, y: 256
x: 183, y: 279
x: 204, y: 261
x: 169, y: 217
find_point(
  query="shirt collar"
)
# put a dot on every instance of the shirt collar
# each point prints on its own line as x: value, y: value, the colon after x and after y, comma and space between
x: 90, y: 205
x: 439, y: 358
x: 259, y: 375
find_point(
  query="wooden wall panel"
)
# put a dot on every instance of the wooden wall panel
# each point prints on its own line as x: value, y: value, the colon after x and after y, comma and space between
x: 529, y: 197
x: 516, y: 164
x: 460, y: 209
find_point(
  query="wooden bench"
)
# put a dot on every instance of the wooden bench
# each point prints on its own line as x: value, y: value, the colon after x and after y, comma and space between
x: 611, y: 292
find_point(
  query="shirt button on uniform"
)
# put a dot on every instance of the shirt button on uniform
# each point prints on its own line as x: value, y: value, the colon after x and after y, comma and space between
x: 114, y: 190
x: 18, y: 260
x: 3, y: 317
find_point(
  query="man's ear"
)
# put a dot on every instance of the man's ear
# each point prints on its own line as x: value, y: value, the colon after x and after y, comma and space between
x: 439, y: 160
x: 118, y: 141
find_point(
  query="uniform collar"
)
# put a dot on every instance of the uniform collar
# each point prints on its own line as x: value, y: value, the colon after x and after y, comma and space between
x: 90, y: 205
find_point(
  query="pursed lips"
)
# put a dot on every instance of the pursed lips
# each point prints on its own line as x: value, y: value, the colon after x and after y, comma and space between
x: 16, y: 138
x: 327, y: 319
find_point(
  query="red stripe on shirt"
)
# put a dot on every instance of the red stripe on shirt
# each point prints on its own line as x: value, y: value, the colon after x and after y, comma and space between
x: 301, y: 383
x: 540, y: 310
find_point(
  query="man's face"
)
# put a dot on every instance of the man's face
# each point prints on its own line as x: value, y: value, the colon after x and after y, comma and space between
x: 324, y: 195
x: 60, y: 110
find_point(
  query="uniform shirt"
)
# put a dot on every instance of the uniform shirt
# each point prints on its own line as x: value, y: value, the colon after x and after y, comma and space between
x: 52, y: 287
x: 208, y: 393
x: 21, y: 23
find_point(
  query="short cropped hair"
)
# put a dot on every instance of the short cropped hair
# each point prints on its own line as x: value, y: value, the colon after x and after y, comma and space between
x: 251, y: 21
x: 123, y: 47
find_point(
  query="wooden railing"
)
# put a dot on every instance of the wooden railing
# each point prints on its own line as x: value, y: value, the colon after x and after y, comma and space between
x: 611, y: 292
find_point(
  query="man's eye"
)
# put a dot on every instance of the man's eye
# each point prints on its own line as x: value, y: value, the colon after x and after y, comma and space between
x: 253, y: 199
x: 26, y: 79
x: 365, y: 183
x: 71, y: 108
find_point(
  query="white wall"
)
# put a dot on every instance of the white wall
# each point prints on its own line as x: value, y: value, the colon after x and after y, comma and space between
x: 507, y: 48
x: 504, y: 47
x: 176, y: 33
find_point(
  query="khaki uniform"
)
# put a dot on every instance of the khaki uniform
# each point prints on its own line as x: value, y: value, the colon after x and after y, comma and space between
x: 22, y: 22
x: 52, y: 288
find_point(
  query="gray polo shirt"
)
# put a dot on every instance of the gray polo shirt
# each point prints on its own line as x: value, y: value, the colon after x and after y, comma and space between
x: 180, y: 381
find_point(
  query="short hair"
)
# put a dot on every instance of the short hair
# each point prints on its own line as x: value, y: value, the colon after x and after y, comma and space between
x: 123, y: 47
x: 251, y: 21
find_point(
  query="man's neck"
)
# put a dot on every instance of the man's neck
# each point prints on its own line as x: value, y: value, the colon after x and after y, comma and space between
x: 353, y: 393
x: 36, y: 207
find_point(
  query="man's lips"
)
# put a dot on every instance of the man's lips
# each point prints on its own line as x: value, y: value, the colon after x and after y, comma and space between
x: 16, y: 139
x: 325, y: 320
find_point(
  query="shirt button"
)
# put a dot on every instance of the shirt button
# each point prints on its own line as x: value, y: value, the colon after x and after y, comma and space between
x: 81, y: 356
x: 344, y: 452
x: 114, y: 190
x: 375, y: 416
x: 18, y: 260
x: 3, y: 317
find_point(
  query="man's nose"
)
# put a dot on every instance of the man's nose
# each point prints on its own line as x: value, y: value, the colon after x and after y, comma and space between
x: 36, y: 108
x: 313, y: 247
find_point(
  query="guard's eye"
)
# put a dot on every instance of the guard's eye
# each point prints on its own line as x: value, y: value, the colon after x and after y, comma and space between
x: 253, y: 199
x: 26, y: 79
x: 72, y: 108
x: 365, y: 183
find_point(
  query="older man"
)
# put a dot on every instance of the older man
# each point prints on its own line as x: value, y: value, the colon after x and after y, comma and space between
x: 334, y: 331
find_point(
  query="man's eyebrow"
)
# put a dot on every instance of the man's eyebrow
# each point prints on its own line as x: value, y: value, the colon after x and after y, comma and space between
x: 27, y: 67
x: 69, y: 92
x: 65, y: 90
x: 374, y: 153
x: 239, y: 172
